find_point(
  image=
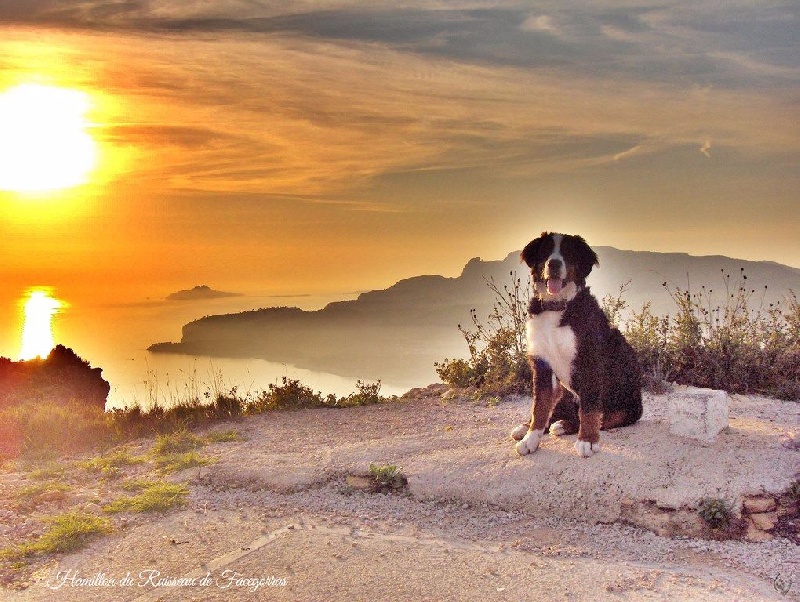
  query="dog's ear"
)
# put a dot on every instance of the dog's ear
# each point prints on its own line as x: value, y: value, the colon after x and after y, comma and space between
x: 532, y: 249
x: 587, y: 258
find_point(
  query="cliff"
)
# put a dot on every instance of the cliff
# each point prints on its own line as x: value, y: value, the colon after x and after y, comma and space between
x: 398, y: 333
x: 61, y: 378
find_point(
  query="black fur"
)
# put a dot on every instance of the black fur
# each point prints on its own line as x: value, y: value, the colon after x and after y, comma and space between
x: 606, y: 376
x: 606, y: 371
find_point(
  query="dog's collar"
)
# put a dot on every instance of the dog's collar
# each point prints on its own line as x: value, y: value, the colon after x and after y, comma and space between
x: 538, y: 306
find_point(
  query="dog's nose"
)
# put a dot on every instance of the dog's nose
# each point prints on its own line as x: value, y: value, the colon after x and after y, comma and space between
x: 554, y: 268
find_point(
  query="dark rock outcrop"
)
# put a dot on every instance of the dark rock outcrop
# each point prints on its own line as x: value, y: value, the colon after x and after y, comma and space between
x: 61, y: 378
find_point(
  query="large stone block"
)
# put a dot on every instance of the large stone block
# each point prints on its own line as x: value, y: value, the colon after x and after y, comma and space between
x: 697, y: 413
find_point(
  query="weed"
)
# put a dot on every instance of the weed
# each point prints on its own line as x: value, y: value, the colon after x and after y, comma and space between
x: 108, y: 466
x: 177, y: 443
x: 223, y: 436
x: 715, y: 512
x: 67, y: 532
x: 51, y: 470
x: 28, y: 498
x: 498, y: 363
x: 734, y: 343
x: 365, y: 394
x: 44, y: 431
x: 170, y: 463
x: 153, y: 496
x: 388, y: 477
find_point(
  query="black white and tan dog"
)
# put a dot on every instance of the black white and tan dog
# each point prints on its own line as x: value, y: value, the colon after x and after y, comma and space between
x: 585, y: 374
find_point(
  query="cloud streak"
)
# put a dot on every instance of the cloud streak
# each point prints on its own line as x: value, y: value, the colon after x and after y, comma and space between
x: 401, y: 108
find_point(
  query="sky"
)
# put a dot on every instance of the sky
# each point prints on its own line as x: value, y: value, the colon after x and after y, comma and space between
x: 308, y: 147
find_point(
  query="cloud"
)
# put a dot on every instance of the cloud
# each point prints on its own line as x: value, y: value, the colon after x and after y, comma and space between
x: 317, y: 100
x: 628, y: 153
x: 540, y: 23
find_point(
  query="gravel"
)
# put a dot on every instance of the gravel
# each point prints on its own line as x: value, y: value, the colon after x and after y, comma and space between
x: 476, y: 522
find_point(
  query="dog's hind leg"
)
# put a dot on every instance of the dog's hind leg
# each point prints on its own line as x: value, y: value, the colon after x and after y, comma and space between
x: 564, y: 419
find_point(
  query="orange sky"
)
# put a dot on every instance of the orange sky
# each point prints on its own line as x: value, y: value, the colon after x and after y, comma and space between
x: 340, y: 146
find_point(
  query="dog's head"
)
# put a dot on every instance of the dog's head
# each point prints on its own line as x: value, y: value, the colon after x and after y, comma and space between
x: 559, y: 265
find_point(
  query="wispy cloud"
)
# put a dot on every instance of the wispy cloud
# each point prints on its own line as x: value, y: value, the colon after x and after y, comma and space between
x: 320, y: 98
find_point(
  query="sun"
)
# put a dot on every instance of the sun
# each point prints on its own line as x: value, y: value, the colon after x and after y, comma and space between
x: 37, y: 330
x: 45, y: 144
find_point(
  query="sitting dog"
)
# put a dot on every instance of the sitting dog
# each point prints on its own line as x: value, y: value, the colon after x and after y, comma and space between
x: 585, y: 374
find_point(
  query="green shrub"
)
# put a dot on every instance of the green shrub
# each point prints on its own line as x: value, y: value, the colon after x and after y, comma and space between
x: 387, y: 477
x: 152, y: 497
x: 67, y: 532
x: 715, y: 512
x: 738, y: 344
x: 497, y: 363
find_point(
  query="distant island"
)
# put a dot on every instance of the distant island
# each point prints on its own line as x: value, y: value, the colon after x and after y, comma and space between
x: 199, y: 293
x: 398, y: 333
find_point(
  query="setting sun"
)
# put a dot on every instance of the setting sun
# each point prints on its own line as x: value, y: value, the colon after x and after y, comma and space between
x: 44, y: 140
x: 37, y: 330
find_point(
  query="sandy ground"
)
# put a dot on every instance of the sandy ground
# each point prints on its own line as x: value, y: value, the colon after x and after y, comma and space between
x: 274, y: 517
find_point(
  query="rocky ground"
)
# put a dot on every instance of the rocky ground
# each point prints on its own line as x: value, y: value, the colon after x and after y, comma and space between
x: 290, y: 512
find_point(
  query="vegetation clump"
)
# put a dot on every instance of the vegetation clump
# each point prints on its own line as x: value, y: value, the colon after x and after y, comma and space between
x: 42, y: 431
x: 152, y: 496
x: 497, y: 363
x: 715, y: 512
x: 66, y: 533
x: 736, y: 343
x: 387, y: 477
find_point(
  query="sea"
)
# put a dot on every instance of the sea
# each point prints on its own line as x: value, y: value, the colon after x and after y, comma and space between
x: 115, y: 338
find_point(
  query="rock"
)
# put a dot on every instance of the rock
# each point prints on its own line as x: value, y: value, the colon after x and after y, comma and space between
x: 61, y: 378
x: 755, y: 535
x: 759, y: 504
x: 764, y: 522
x: 92, y: 508
x: 360, y: 483
x: 666, y: 522
x: 697, y: 413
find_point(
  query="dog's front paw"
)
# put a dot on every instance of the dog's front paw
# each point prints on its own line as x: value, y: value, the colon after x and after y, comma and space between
x: 586, y: 448
x: 529, y: 443
x: 518, y: 432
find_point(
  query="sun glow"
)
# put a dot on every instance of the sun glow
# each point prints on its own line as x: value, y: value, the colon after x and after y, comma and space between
x: 37, y: 330
x: 45, y: 144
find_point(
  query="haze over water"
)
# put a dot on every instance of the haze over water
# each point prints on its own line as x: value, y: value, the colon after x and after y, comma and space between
x: 115, y: 338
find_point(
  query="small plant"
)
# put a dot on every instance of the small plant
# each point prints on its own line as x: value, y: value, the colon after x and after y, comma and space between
x: 715, y: 512
x: 728, y: 340
x: 170, y: 463
x: 388, y: 477
x: 28, y: 498
x: 67, y: 532
x: 178, y: 451
x: 109, y: 466
x: 223, y: 436
x: 152, y: 496
x: 51, y: 470
x: 176, y: 443
x: 365, y: 394
x: 498, y: 363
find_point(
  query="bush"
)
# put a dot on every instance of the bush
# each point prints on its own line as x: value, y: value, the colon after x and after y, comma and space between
x: 498, y: 363
x: 739, y: 344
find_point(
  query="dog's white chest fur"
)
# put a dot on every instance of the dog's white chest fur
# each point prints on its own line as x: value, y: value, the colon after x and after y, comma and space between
x: 553, y: 343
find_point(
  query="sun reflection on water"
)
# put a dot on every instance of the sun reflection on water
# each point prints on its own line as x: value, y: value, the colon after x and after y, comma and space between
x: 39, y: 307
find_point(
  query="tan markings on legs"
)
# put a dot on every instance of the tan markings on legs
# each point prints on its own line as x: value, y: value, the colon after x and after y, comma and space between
x: 543, y: 405
x: 590, y: 425
x: 614, y: 419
